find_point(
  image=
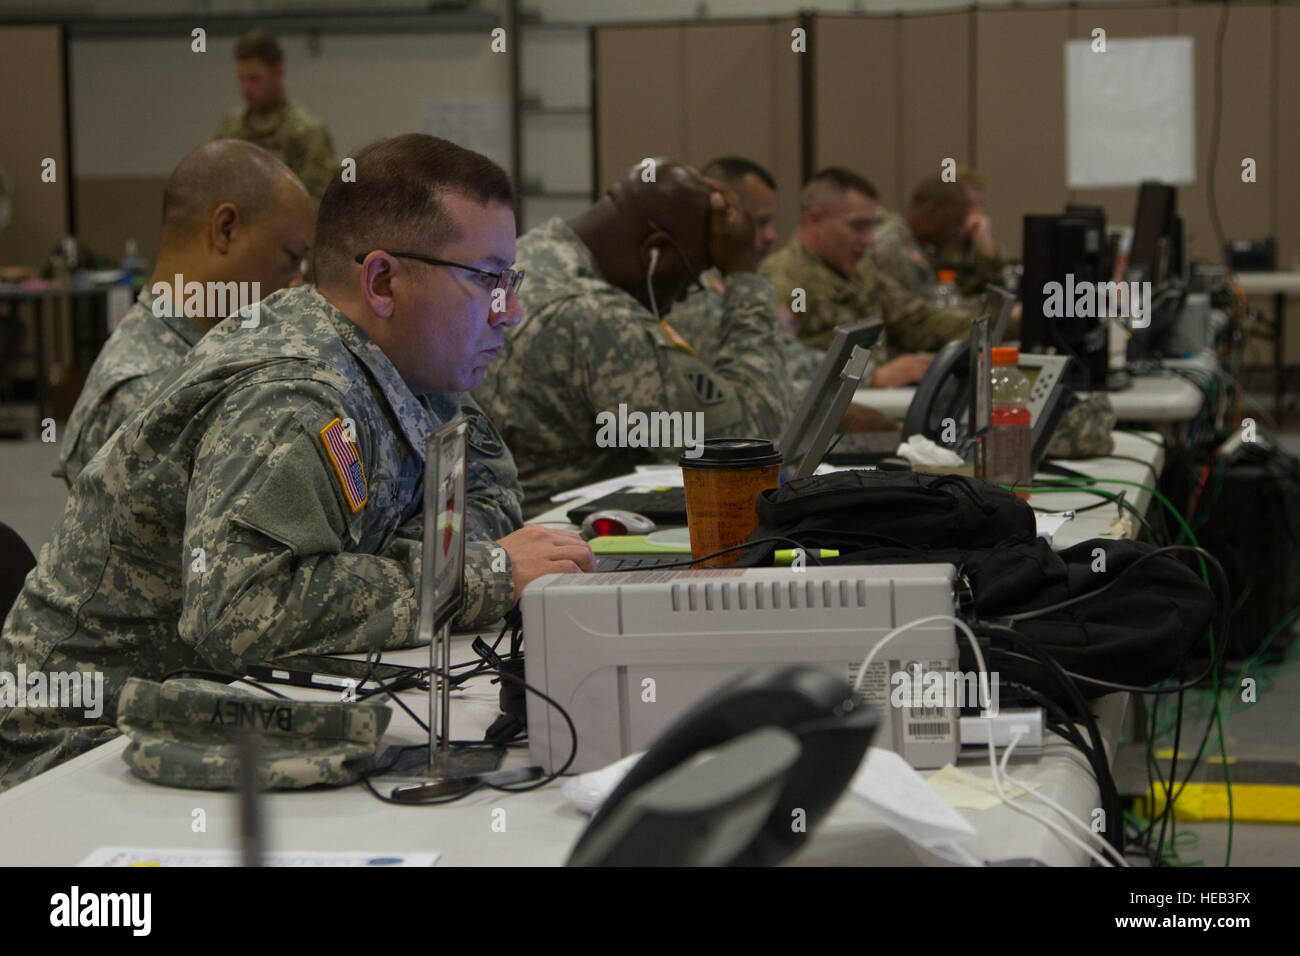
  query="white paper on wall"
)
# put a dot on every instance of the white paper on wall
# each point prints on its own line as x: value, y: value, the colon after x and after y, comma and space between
x: 1130, y: 112
x: 476, y: 121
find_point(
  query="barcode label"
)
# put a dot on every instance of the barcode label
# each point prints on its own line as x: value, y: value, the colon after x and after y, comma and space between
x: 923, y: 712
x: 933, y: 728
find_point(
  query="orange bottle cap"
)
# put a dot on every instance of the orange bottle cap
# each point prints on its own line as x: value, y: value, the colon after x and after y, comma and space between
x: 947, y: 275
x: 1005, y: 355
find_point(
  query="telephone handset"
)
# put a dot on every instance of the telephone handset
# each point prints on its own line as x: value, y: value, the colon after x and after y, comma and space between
x: 944, y: 393
x: 741, y: 817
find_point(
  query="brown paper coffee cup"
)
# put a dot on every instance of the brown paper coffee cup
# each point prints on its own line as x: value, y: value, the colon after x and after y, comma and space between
x: 722, y: 483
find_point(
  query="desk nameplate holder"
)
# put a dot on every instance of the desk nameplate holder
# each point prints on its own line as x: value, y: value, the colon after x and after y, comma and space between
x: 442, y: 575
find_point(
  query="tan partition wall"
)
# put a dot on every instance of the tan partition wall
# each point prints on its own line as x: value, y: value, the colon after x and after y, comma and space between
x: 787, y: 124
x: 1020, y: 114
x: 857, y: 118
x: 1245, y: 209
x: 936, y: 95
x: 894, y: 95
x: 640, y: 89
x: 698, y: 92
x: 32, y: 118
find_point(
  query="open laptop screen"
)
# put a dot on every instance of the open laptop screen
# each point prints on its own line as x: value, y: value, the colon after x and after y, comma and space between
x: 807, y: 437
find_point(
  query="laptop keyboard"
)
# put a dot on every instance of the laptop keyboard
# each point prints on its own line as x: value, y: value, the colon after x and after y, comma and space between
x: 639, y: 562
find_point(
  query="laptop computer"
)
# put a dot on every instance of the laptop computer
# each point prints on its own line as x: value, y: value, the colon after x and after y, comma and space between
x: 804, y: 442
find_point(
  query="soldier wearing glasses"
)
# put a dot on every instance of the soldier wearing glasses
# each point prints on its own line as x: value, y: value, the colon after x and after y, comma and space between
x: 596, y: 331
x: 266, y: 501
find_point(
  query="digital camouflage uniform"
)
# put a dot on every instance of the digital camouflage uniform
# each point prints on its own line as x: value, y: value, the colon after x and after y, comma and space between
x: 215, y: 528
x: 292, y: 135
x: 911, y: 324
x: 1085, y: 430
x: 699, y: 321
x: 896, y: 253
x: 585, y: 346
x: 141, y: 353
x: 185, y: 733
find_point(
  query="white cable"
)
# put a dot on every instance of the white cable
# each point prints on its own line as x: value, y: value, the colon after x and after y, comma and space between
x: 1025, y: 811
x: 1002, y: 770
x: 970, y: 636
x: 993, y: 765
x: 650, y: 286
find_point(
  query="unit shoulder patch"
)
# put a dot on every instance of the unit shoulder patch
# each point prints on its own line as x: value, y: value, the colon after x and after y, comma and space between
x: 706, y: 389
x: 481, y: 435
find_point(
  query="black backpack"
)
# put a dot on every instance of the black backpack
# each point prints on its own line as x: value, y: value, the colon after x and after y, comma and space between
x: 1138, y: 632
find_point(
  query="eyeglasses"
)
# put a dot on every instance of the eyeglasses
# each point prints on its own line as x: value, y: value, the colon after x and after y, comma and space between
x: 508, y: 279
x: 696, y: 276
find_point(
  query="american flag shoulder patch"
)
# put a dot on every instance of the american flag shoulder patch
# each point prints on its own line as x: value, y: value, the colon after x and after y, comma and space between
x: 344, y: 455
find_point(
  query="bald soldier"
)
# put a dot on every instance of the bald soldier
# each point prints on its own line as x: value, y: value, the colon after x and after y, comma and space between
x: 272, y: 120
x: 906, y: 244
x: 595, y: 340
x: 816, y: 275
x: 236, y: 221
x: 267, y: 500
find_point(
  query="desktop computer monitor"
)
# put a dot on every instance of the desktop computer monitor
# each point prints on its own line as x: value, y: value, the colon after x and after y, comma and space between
x: 1065, y: 249
x: 1155, y: 255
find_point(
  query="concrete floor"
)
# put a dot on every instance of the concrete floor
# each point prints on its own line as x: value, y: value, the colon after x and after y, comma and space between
x: 31, y: 501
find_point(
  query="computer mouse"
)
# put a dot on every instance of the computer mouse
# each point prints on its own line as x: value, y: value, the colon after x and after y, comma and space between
x: 612, y: 521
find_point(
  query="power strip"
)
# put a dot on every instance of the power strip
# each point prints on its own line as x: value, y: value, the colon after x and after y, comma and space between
x: 1026, y: 722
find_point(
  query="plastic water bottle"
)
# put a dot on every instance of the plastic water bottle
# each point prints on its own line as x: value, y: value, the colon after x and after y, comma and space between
x: 946, y: 295
x: 1009, y: 442
x: 133, y: 265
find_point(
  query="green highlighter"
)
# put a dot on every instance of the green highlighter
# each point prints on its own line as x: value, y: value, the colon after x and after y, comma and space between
x: 786, y: 555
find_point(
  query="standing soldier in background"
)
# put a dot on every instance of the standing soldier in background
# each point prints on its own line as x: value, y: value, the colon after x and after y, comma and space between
x: 272, y: 120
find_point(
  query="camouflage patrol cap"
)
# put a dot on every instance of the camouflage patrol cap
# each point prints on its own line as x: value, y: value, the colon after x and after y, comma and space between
x: 1084, y: 431
x: 185, y: 732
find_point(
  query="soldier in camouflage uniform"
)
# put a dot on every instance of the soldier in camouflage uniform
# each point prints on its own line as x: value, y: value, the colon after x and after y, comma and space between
x: 595, y: 337
x: 272, y: 120
x: 262, y: 220
x: 699, y: 318
x: 896, y: 253
x: 976, y: 257
x: 816, y: 274
x: 266, y: 500
x: 905, y: 245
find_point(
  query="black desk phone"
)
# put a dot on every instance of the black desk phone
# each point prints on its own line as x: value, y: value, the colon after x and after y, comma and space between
x: 786, y: 738
x: 941, y: 408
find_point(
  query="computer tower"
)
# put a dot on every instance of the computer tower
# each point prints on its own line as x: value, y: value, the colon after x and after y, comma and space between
x: 1252, y: 512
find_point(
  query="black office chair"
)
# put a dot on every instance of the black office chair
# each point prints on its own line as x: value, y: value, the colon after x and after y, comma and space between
x: 16, y: 559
